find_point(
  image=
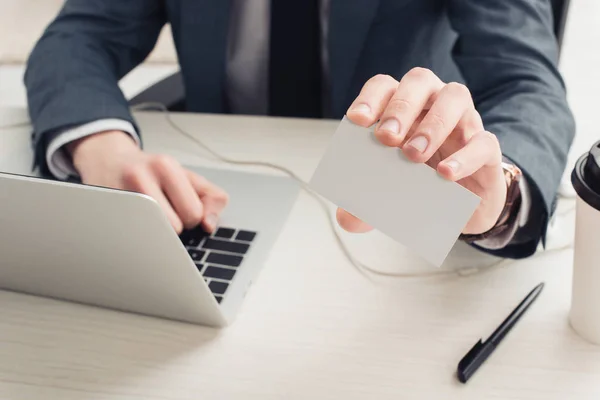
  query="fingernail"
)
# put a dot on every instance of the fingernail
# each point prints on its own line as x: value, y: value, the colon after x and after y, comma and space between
x: 362, y: 109
x: 391, y: 126
x: 212, y: 220
x: 420, y: 143
x: 453, y: 165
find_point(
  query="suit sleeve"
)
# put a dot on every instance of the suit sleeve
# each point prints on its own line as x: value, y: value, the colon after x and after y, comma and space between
x: 507, y: 53
x: 73, y: 72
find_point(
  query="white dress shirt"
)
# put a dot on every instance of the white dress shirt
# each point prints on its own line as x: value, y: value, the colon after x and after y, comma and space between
x: 246, y: 90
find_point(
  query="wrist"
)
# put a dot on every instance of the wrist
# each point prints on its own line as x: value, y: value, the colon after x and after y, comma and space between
x: 99, y: 145
x: 512, y: 203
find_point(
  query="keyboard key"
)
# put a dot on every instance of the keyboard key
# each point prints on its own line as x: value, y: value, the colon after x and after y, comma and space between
x: 219, y: 298
x: 224, y: 259
x: 219, y: 273
x: 218, y: 287
x: 225, y: 245
x: 193, y: 237
x: 197, y: 255
x: 226, y: 233
x: 246, y: 236
x: 200, y: 266
x: 191, y: 241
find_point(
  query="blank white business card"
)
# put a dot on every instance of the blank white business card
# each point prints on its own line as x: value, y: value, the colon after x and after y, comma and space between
x: 407, y: 201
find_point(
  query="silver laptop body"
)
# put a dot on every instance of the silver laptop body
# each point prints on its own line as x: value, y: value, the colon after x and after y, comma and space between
x: 116, y: 249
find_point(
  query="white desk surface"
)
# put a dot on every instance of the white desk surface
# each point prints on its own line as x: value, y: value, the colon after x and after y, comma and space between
x: 311, y: 327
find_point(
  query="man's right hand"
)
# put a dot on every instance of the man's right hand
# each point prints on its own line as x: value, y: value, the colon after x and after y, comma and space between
x: 112, y: 159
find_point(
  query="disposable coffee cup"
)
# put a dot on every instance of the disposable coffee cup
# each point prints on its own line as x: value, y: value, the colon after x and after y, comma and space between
x: 585, y: 296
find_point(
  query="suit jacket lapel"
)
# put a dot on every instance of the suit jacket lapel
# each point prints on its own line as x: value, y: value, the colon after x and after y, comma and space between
x: 349, y: 23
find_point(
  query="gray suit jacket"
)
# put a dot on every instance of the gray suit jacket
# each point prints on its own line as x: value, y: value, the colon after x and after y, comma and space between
x: 503, y: 50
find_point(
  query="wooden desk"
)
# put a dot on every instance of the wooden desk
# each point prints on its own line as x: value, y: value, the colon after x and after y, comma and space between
x: 311, y: 327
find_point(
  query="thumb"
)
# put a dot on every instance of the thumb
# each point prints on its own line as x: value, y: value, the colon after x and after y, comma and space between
x: 350, y: 223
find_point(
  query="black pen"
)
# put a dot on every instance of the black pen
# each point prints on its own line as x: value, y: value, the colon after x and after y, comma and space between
x: 482, y: 350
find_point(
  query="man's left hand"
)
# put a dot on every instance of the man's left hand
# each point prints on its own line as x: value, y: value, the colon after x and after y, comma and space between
x: 437, y: 124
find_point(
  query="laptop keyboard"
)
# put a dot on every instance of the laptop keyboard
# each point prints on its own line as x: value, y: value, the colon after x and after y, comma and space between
x: 217, y: 256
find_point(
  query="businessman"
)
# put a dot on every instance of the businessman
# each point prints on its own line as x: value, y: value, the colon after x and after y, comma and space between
x: 469, y: 87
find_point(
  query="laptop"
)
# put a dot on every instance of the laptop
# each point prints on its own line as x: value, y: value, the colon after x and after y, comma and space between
x: 116, y: 249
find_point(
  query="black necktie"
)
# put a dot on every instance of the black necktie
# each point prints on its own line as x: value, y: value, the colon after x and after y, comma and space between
x: 295, y: 59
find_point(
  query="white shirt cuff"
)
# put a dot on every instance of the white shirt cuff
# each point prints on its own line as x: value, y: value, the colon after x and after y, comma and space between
x: 59, y: 163
x: 500, y: 241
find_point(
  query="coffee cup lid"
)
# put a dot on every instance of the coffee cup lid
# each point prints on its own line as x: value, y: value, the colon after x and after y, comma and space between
x: 586, y: 176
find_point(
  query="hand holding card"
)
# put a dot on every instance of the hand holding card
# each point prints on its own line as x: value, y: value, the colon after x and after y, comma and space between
x: 407, y: 201
x: 433, y: 124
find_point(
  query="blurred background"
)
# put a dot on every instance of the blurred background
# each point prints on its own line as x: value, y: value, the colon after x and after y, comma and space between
x: 21, y: 25
x: 22, y: 22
